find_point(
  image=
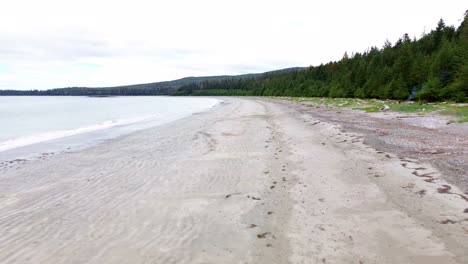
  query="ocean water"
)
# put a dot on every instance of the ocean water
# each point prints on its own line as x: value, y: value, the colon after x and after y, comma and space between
x: 30, y: 125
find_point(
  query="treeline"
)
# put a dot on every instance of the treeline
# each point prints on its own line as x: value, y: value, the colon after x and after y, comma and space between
x: 156, y: 88
x: 432, y: 68
x: 140, y: 89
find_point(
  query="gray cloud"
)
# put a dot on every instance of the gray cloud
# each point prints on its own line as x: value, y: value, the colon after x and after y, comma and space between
x: 51, y: 48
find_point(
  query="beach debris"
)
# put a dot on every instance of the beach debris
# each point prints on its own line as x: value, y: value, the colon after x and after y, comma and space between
x: 229, y: 195
x: 253, y: 198
x: 385, y: 108
x: 263, y: 235
x: 448, y: 221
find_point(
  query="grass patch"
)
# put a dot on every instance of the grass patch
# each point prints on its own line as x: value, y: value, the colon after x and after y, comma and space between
x: 462, y: 120
x: 412, y: 108
x: 369, y: 109
x: 460, y: 112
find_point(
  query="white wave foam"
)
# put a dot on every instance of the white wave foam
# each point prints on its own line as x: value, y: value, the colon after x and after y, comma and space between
x: 42, y: 137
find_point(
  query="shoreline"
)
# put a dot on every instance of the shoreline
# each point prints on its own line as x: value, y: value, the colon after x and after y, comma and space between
x: 252, y: 180
x: 81, y: 141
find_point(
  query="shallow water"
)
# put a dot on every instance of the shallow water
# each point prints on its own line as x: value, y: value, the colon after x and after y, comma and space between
x: 31, y: 121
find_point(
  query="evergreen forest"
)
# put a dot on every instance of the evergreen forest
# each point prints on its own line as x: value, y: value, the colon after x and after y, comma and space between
x: 431, y: 68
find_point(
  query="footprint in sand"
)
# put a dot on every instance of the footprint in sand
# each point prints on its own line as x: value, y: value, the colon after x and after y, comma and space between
x: 428, y: 176
x: 421, y: 193
x: 446, y: 189
x: 449, y: 221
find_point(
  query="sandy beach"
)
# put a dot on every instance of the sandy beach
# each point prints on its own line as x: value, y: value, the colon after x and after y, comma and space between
x: 250, y: 181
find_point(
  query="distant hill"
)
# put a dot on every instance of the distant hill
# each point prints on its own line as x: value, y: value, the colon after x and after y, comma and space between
x: 155, y: 88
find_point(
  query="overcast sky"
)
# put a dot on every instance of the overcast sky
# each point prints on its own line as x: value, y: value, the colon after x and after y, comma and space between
x: 48, y: 43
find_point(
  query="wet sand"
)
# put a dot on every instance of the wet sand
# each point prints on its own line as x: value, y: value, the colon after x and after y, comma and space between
x: 251, y: 181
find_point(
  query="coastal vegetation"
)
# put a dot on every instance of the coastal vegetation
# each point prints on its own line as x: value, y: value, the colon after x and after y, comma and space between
x: 432, y: 68
x: 459, y: 112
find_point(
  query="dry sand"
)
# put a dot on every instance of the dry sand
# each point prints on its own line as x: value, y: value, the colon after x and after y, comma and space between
x: 251, y: 181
